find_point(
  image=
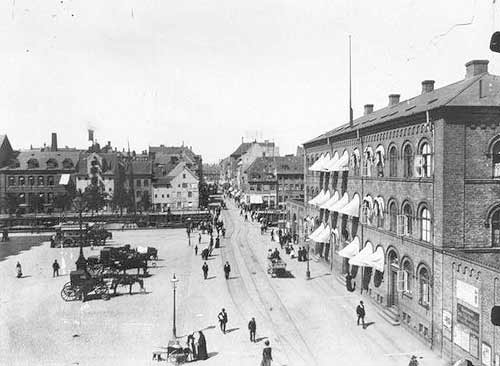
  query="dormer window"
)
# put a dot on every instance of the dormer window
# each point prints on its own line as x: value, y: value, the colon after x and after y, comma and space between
x: 33, y: 164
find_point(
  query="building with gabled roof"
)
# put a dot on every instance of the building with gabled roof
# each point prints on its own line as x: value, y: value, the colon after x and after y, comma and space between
x: 405, y: 200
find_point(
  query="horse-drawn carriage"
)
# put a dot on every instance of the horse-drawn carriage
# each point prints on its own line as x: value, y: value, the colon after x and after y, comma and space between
x: 121, y: 259
x: 70, y: 235
x: 276, y: 266
x: 84, y: 284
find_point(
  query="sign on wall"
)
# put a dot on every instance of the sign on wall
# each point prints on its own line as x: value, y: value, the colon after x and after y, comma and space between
x: 468, y: 317
x: 461, y: 337
x: 486, y: 354
x: 468, y: 293
x: 447, y: 324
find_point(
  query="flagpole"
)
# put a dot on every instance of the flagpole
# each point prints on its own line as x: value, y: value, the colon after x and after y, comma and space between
x: 350, y: 86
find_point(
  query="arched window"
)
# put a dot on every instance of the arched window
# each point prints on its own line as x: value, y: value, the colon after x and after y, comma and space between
x: 12, y: 181
x: 379, y: 160
x: 408, y: 161
x: 425, y: 152
x: 52, y: 164
x: 367, y: 161
x: 31, y: 180
x: 495, y: 228
x: 424, y: 286
x: 393, y: 215
x: 393, y: 162
x: 496, y: 159
x: 33, y: 164
x: 40, y: 180
x: 425, y: 224
x: 408, y: 276
x: 378, y: 211
x: 408, y: 212
x: 22, y: 180
x: 67, y: 164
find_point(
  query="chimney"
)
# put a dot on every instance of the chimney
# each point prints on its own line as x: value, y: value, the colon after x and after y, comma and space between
x: 368, y: 109
x: 427, y: 86
x: 53, y: 146
x: 393, y: 99
x: 475, y: 67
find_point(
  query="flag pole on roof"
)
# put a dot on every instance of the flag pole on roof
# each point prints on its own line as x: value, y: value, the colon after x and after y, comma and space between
x: 350, y: 86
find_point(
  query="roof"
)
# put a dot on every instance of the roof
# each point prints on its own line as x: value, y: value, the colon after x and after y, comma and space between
x: 243, y: 148
x: 173, y: 150
x: 262, y: 168
x: 140, y: 167
x: 487, y: 258
x: 110, y: 162
x: 43, y: 156
x: 172, y: 172
x: 289, y: 165
x: 464, y: 93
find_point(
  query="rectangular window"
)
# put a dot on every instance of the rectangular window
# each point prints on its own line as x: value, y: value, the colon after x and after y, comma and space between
x: 162, y: 196
x: 184, y: 185
x: 178, y: 194
x: 12, y: 181
x: 138, y: 183
x: 138, y: 193
x: 146, y: 182
x: 156, y: 196
x: 41, y: 180
x: 22, y: 181
x: 184, y: 176
x: 190, y: 194
x: 50, y: 180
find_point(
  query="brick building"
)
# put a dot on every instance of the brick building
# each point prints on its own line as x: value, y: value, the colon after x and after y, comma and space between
x: 406, y: 200
x: 289, y: 171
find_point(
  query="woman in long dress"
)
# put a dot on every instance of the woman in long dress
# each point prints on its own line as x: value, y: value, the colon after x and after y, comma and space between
x: 266, y: 355
x: 202, y: 346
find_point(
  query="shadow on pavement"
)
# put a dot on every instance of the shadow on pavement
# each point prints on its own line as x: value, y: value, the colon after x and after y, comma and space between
x: 286, y: 274
x: 232, y: 330
x: 319, y: 276
x: 210, y: 278
x: 257, y: 340
x: 212, y: 354
x: 233, y: 277
x: 368, y: 324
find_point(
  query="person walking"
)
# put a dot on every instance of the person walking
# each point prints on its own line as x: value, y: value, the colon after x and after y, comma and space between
x: 199, y: 238
x: 252, y: 327
x: 267, y: 356
x: 205, y: 270
x: 55, y: 268
x: 196, y: 250
x: 223, y: 232
x: 360, y: 311
x: 19, y: 270
x: 222, y: 320
x: 227, y: 270
x: 413, y: 361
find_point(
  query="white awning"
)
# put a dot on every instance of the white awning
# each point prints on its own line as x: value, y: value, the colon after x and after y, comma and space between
x: 324, y: 162
x: 330, y: 164
x: 350, y: 250
x: 359, y: 260
x: 334, y: 198
x: 318, y: 230
x: 340, y: 203
x: 256, y: 199
x: 342, y: 164
x: 376, y: 260
x: 368, y: 199
x: 318, y: 197
x: 64, y: 179
x: 379, y: 155
x: 324, y: 236
x: 380, y: 202
x: 323, y: 199
x: 317, y: 163
x: 352, y: 208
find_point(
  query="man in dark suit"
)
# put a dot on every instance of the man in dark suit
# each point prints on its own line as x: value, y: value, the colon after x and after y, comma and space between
x: 227, y: 270
x: 205, y: 270
x: 222, y: 320
x: 360, y: 310
x: 252, y: 327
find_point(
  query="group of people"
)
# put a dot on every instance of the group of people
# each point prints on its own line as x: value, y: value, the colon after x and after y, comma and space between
x: 196, y: 346
x: 55, y: 269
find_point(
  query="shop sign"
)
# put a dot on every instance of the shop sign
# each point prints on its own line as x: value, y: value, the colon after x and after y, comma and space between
x: 468, y: 317
x: 468, y: 293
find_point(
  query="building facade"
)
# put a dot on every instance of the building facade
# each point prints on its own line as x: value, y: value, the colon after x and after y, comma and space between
x: 176, y: 190
x: 405, y: 200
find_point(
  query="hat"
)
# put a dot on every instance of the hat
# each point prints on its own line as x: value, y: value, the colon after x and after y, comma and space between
x: 266, y: 343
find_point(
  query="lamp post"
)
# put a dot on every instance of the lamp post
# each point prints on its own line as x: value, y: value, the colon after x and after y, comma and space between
x: 79, y: 204
x: 306, y: 239
x: 174, y: 281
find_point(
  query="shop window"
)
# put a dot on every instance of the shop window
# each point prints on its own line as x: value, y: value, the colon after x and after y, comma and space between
x: 424, y: 287
x: 393, y: 162
x: 425, y: 224
x: 495, y: 228
x: 393, y: 214
x: 408, y: 161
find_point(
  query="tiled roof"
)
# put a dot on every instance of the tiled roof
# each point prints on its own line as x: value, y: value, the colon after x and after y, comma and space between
x: 173, y: 150
x: 140, y: 167
x: 261, y: 169
x: 241, y: 149
x: 110, y: 163
x: 289, y: 165
x: 462, y: 93
x: 174, y: 171
x: 43, y: 156
x: 489, y: 259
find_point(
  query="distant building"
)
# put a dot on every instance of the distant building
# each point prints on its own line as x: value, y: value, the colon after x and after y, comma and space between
x: 173, y: 154
x: 211, y: 173
x: 138, y: 179
x: 290, y: 179
x: 175, y: 187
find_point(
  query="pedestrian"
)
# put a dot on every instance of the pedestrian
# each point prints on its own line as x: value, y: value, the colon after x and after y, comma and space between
x: 19, y: 270
x: 227, y: 270
x: 205, y: 270
x: 223, y: 232
x: 413, y: 361
x: 272, y: 235
x: 217, y: 242
x: 211, y: 240
x: 246, y: 217
x: 252, y: 327
x: 360, y: 310
x: 191, y: 346
x: 266, y: 355
x: 222, y: 320
x: 55, y: 269
x: 196, y: 250
x: 202, y: 346
x: 199, y: 238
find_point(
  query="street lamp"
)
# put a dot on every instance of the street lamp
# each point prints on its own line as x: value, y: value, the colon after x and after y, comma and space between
x: 174, y: 281
x: 79, y: 204
x: 307, y: 240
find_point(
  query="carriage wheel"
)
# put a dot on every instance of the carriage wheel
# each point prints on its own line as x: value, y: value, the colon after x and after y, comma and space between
x: 69, y: 293
x: 103, y: 291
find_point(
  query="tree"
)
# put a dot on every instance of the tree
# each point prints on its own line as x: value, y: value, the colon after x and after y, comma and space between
x: 10, y: 203
x: 121, y: 199
x: 94, y: 198
x: 145, y: 201
x: 63, y: 201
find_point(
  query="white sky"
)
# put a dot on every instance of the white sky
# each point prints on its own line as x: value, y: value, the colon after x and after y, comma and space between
x: 207, y: 72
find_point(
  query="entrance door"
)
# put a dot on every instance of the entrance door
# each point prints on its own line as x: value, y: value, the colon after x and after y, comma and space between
x: 393, y: 294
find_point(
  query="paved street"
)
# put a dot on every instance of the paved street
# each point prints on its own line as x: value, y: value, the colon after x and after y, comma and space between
x: 307, y: 322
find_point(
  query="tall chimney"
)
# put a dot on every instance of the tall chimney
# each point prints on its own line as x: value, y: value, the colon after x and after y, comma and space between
x: 393, y: 99
x: 368, y: 109
x: 53, y: 146
x: 427, y: 86
x: 475, y: 67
